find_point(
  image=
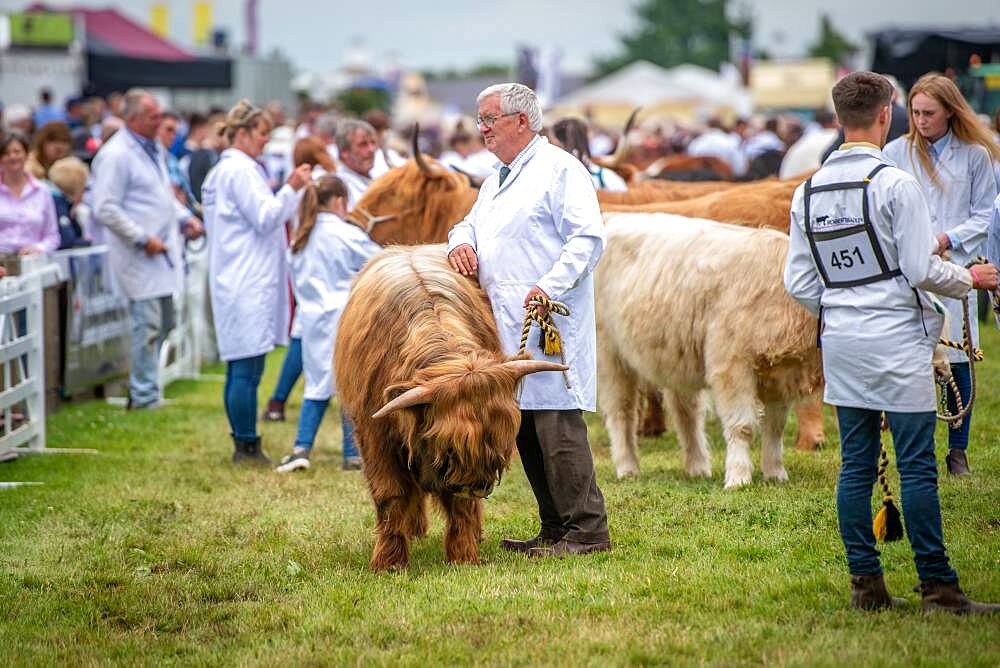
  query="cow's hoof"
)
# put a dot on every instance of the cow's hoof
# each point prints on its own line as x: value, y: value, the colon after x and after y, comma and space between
x: 734, y: 481
x: 700, y: 471
x: 627, y: 472
x: 777, y: 476
x: 809, y: 443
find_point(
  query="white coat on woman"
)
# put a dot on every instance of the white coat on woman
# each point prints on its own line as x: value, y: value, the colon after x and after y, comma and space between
x: 961, y: 208
x: 245, y: 225
x: 541, y: 227
x: 322, y: 274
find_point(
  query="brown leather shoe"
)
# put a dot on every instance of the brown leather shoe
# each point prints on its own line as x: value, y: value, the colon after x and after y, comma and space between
x: 565, y: 548
x: 513, y: 545
x: 957, y: 462
x: 947, y: 596
x: 868, y: 592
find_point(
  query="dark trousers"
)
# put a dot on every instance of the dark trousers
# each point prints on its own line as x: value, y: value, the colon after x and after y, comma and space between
x: 959, y: 438
x: 557, y: 460
x: 913, y: 440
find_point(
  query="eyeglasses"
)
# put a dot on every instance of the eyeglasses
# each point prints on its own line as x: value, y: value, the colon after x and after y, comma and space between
x: 490, y: 121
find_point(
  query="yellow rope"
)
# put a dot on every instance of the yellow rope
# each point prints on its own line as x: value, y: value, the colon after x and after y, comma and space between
x: 550, y: 341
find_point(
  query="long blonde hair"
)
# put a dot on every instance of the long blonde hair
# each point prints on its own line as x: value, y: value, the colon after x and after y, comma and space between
x: 963, y: 123
x: 316, y: 194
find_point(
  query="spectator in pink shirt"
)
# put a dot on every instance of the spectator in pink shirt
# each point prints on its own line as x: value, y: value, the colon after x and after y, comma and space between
x: 27, y: 212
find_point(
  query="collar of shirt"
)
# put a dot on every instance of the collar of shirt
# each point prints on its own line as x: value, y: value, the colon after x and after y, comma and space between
x: 31, y: 184
x: 150, y: 146
x: 937, y: 147
x: 848, y: 145
x: 520, y: 157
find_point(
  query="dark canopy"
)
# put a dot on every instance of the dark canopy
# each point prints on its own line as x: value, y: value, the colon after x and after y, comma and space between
x: 909, y: 54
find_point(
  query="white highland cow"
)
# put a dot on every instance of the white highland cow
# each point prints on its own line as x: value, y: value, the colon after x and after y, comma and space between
x: 686, y: 305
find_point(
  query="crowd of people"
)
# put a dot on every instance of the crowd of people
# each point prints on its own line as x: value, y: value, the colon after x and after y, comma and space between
x: 273, y: 198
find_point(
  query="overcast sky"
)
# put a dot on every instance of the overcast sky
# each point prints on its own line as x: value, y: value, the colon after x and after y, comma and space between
x: 317, y: 34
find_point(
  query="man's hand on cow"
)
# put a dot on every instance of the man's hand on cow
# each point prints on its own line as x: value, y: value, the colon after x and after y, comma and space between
x: 536, y: 292
x: 463, y: 259
x: 192, y: 228
x: 154, y: 246
x: 300, y: 177
x: 984, y: 276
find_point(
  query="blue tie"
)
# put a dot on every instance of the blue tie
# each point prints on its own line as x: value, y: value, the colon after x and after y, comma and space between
x: 504, y: 171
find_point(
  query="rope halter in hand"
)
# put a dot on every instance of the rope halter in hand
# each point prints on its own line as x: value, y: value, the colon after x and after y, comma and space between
x: 549, y: 341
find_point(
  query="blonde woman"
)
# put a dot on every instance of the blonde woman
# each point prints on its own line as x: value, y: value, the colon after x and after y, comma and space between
x: 949, y: 152
x: 248, y: 273
x: 325, y: 255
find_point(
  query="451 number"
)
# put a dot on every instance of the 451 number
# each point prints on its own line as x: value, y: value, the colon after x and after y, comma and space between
x: 844, y: 259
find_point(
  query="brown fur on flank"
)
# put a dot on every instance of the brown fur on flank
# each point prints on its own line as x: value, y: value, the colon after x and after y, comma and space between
x: 656, y: 190
x: 411, y: 320
x: 426, y: 206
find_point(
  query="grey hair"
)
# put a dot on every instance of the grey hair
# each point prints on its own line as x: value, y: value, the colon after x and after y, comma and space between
x: 516, y: 98
x: 133, y: 101
x: 346, y: 130
x: 326, y: 125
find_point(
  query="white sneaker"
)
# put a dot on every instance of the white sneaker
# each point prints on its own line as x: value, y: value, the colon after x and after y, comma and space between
x: 293, y: 462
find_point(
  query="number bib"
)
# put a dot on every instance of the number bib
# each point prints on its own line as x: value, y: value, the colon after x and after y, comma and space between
x: 846, y: 249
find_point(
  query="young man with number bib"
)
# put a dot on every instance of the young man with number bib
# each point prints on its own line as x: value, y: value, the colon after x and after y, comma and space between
x: 860, y: 256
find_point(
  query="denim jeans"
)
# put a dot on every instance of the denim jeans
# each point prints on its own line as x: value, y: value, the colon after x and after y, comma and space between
x: 152, y: 320
x: 240, y: 395
x: 309, y: 421
x: 291, y: 369
x: 959, y: 438
x: 913, y: 440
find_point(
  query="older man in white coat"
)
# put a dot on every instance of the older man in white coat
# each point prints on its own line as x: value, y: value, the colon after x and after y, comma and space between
x: 536, y: 230
x: 135, y: 200
x: 357, y: 145
x: 861, y: 257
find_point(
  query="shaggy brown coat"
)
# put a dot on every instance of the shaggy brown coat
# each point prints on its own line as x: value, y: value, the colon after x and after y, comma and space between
x: 424, y: 205
x: 679, y: 272
x: 413, y: 322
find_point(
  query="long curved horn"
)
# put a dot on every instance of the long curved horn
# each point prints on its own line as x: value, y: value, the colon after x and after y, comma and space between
x: 522, y: 368
x: 424, y: 167
x: 622, y: 147
x: 418, y: 395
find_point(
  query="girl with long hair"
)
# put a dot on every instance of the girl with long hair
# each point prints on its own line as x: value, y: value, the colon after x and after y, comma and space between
x: 950, y: 153
x: 248, y: 277
x: 325, y: 254
x: 573, y: 136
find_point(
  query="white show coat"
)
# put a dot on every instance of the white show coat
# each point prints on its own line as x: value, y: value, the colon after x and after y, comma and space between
x: 356, y: 184
x: 714, y: 143
x: 248, y: 273
x: 962, y: 209
x: 878, y: 338
x: 605, y: 178
x: 542, y: 227
x: 322, y: 274
x: 807, y: 153
x: 133, y: 198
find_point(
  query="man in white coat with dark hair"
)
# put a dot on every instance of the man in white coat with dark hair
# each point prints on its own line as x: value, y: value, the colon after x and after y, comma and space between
x: 536, y: 230
x: 134, y: 199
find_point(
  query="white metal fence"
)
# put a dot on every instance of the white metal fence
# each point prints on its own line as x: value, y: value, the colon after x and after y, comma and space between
x: 22, y: 372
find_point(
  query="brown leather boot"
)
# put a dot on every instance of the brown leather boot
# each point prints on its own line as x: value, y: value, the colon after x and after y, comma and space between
x: 513, y: 545
x: 948, y: 596
x: 868, y: 592
x: 957, y: 462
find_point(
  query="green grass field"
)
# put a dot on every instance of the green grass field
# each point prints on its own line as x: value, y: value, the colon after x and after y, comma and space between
x: 159, y: 551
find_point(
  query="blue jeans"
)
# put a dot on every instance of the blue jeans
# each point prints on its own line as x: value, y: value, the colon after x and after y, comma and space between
x: 291, y: 369
x: 913, y: 440
x: 309, y: 420
x: 240, y: 396
x: 152, y: 319
x: 959, y: 438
